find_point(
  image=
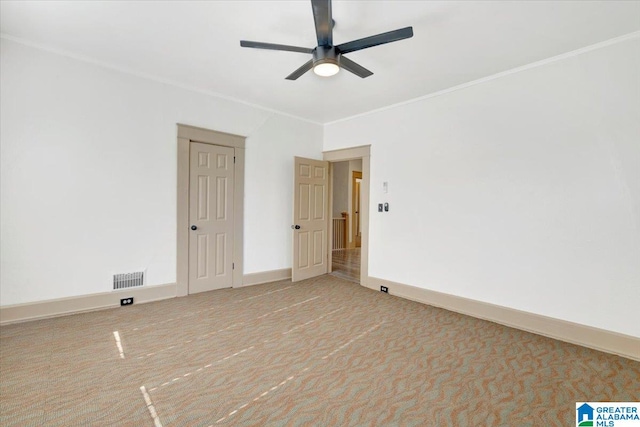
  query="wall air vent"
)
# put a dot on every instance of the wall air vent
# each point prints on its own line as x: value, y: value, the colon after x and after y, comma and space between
x: 128, y: 280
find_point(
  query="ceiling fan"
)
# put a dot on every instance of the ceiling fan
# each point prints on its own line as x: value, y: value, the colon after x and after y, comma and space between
x: 329, y: 58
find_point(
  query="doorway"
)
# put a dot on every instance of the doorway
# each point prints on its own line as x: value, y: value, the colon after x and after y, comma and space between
x: 349, y: 261
x: 345, y: 248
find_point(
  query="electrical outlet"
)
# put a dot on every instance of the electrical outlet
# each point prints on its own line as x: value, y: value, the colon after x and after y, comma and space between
x: 379, y: 207
x: 126, y: 301
x: 384, y: 289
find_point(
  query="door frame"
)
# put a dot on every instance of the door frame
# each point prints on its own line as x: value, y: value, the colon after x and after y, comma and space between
x: 354, y: 153
x: 186, y: 135
x: 354, y: 232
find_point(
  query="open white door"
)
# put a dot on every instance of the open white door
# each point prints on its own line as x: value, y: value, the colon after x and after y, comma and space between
x: 310, y: 229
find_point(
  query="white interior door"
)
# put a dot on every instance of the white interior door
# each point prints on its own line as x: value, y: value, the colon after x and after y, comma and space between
x: 211, y: 217
x: 310, y: 208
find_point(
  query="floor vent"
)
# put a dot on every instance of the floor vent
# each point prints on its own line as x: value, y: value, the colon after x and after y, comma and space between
x: 128, y: 280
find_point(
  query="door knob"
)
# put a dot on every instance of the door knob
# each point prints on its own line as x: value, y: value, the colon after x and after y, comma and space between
x: 193, y: 227
x: 296, y: 227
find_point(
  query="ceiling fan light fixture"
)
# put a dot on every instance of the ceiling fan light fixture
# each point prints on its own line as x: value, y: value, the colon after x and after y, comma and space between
x: 326, y: 69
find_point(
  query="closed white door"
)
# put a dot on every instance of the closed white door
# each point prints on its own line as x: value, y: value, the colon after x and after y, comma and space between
x: 211, y: 217
x: 310, y: 207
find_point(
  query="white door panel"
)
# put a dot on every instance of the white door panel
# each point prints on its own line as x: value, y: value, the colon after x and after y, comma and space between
x: 210, y: 204
x: 310, y: 207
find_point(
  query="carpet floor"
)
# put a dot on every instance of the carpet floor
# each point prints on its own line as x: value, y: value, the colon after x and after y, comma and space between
x: 322, y: 352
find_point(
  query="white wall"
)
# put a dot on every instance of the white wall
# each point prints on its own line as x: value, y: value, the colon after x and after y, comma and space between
x: 88, y: 185
x: 269, y: 190
x: 522, y: 191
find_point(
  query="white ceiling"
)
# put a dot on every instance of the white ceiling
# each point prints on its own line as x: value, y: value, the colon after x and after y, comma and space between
x: 196, y: 44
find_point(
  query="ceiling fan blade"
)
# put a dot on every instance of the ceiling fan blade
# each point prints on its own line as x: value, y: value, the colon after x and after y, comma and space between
x: 323, y: 21
x: 391, y: 36
x: 353, y: 67
x: 300, y: 71
x: 272, y: 46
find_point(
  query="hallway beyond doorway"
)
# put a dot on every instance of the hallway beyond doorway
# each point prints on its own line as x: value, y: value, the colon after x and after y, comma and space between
x: 346, y: 264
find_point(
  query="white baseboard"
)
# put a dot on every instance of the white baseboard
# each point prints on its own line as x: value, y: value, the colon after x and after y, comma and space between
x: 266, y: 277
x: 63, y: 306
x: 574, y: 333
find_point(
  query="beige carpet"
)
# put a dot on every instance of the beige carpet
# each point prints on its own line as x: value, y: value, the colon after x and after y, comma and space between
x: 323, y: 352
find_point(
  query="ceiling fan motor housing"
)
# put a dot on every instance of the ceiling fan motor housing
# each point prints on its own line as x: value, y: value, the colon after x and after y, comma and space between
x: 325, y: 54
